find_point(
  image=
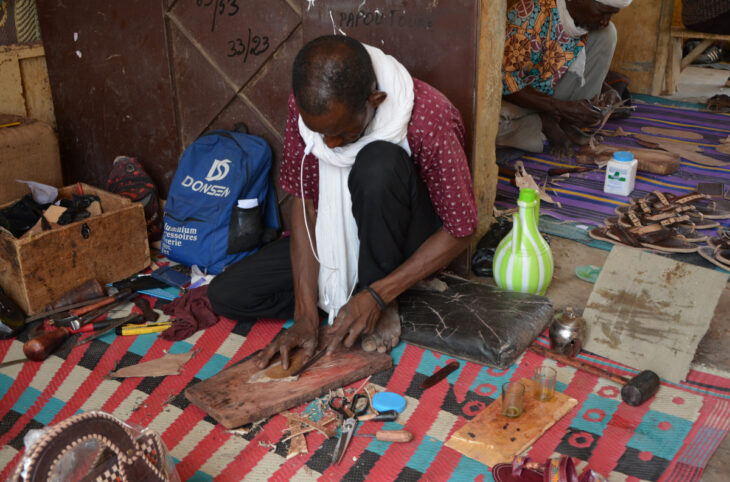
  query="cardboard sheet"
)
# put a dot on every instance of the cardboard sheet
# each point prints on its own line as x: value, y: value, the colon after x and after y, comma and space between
x: 650, y: 312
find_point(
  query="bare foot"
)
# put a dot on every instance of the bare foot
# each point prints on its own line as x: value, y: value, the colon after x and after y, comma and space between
x: 577, y: 136
x: 433, y: 284
x: 560, y: 144
x: 387, y: 332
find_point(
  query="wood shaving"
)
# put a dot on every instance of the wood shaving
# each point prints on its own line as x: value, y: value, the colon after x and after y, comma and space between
x: 298, y: 443
x: 267, y: 445
x: 526, y: 181
x: 327, y: 432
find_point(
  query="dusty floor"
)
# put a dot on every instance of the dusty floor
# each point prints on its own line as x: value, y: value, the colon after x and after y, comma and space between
x: 567, y: 290
x: 697, y: 84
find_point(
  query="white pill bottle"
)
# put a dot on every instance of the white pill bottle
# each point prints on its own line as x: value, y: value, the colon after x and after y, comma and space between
x: 620, y: 173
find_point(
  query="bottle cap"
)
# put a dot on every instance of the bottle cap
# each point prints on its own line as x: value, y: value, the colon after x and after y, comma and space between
x: 384, y: 401
x: 527, y: 195
x: 623, y: 156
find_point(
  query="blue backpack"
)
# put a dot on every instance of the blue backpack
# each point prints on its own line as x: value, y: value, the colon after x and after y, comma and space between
x: 204, y: 224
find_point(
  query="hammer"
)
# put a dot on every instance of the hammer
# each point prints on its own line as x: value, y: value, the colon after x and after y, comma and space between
x: 635, y: 391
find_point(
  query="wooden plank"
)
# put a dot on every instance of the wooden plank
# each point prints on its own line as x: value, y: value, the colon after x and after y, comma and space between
x: 689, y: 58
x: 232, y: 400
x: 639, y: 27
x: 684, y: 33
x: 37, y: 90
x: 23, y: 51
x: 11, y: 86
x: 673, y: 70
x: 663, y: 45
x: 488, y: 101
x: 492, y: 438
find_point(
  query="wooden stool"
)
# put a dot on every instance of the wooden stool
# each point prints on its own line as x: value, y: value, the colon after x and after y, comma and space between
x: 677, y: 63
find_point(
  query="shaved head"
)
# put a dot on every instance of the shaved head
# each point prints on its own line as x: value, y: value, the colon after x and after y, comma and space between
x: 332, y: 68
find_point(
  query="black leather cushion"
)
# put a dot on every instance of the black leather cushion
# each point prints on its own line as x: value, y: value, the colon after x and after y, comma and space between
x: 472, y: 321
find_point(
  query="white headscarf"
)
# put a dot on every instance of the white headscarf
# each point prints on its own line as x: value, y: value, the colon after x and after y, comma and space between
x: 615, y: 3
x: 336, y: 231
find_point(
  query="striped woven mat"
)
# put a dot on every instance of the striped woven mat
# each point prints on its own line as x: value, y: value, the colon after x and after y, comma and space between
x: 670, y: 437
x: 581, y: 195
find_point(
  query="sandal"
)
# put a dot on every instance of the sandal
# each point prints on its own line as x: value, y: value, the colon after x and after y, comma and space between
x: 723, y: 236
x: 558, y: 469
x: 703, y: 203
x: 649, y: 213
x: 712, y: 255
x: 657, y: 236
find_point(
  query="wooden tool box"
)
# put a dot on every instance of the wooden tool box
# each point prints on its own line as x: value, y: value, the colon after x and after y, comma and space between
x: 37, y: 268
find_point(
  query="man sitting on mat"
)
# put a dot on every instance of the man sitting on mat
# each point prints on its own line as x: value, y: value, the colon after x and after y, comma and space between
x: 556, y: 56
x: 382, y: 199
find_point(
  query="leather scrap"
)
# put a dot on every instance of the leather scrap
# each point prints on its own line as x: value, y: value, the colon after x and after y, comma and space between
x: 170, y: 364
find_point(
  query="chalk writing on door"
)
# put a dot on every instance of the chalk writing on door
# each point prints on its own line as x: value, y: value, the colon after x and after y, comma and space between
x: 389, y: 18
x: 220, y: 8
x: 255, y: 45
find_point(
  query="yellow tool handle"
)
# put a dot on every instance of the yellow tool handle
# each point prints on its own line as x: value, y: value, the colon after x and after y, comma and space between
x: 141, y: 330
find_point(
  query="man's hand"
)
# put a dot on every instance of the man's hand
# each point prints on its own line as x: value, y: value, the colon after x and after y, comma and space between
x: 303, y: 334
x: 360, y: 315
x: 579, y: 114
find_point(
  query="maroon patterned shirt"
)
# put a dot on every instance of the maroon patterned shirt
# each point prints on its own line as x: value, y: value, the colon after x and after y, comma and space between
x: 436, y: 138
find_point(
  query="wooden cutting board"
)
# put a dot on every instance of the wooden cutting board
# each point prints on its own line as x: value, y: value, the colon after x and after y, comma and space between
x: 492, y: 438
x: 242, y: 393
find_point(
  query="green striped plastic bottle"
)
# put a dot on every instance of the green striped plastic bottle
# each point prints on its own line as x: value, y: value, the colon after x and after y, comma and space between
x: 523, y: 260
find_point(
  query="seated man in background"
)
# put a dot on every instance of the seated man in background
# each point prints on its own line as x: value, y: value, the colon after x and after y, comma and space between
x: 382, y: 199
x: 556, y: 57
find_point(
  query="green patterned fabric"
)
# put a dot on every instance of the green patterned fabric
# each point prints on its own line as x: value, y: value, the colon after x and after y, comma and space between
x: 18, y: 22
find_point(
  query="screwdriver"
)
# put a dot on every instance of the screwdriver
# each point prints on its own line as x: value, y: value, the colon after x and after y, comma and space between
x: 40, y: 347
x: 390, y: 435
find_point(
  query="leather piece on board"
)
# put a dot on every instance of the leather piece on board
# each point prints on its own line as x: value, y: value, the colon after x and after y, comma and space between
x: 473, y: 321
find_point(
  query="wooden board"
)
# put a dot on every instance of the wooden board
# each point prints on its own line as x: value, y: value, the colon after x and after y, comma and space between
x: 229, y: 398
x: 650, y: 312
x: 492, y: 438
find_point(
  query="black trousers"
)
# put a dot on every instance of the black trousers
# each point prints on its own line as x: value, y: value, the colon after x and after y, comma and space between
x: 394, y: 216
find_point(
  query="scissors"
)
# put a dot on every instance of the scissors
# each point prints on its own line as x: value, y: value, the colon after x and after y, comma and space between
x: 339, y: 405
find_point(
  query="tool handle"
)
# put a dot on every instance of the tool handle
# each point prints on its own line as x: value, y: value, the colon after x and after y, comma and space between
x: 40, y: 347
x: 96, y: 326
x: 142, y: 329
x: 100, y: 303
x: 394, y: 436
x: 599, y: 372
x: 147, y: 311
x: 387, y: 416
x: 89, y: 308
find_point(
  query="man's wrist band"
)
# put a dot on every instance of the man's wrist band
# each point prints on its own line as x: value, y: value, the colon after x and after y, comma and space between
x: 376, y: 297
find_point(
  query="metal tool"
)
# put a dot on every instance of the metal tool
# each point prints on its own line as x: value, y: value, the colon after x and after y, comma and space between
x: 135, y: 318
x: 309, y: 363
x: 634, y: 392
x: 390, y: 435
x: 76, y: 322
x: 439, y: 375
x: 339, y: 405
